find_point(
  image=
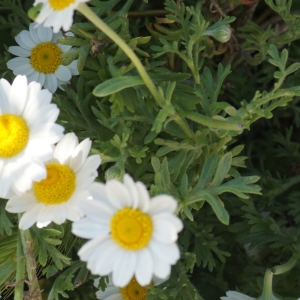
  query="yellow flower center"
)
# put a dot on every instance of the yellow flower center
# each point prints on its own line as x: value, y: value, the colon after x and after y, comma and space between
x: 14, y: 135
x: 131, y: 229
x: 133, y: 291
x: 45, y: 57
x: 60, y: 4
x: 58, y: 187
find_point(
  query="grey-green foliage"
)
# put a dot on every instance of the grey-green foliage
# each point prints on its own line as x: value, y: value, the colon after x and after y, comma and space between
x: 259, y: 39
x: 187, y: 146
x: 135, y: 135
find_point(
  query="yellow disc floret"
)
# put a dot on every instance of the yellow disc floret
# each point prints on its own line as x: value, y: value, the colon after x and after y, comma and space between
x: 45, y: 57
x: 133, y: 291
x: 14, y: 135
x: 60, y: 4
x: 58, y: 187
x: 131, y: 228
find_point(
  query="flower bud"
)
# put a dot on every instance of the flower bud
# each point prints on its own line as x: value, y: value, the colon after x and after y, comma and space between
x: 221, y: 34
x: 33, y: 12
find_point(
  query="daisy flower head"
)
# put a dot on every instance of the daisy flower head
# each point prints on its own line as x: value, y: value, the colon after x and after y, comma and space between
x: 38, y: 57
x: 132, y: 291
x: 232, y: 295
x: 57, y: 197
x: 135, y: 235
x: 27, y: 133
x: 57, y: 13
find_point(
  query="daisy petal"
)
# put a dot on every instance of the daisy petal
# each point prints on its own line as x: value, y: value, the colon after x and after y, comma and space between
x: 61, y: 214
x: 44, y: 34
x: 130, y: 185
x: 29, y: 217
x: 4, y: 95
x: 169, y: 253
x: 116, y: 190
x: 80, y: 154
x: 162, y: 203
x: 87, y: 229
x: 106, y: 260
x: 33, y: 33
x: 124, y: 268
x: 18, y: 51
x: 18, y: 100
x: 63, y: 73
x: 160, y: 268
x: 63, y: 151
x: 143, y: 196
x: 51, y: 83
x: 144, y: 267
x: 23, y: 69
x: 18, y: 204
x: 26, y: 39
x: 74, y: 67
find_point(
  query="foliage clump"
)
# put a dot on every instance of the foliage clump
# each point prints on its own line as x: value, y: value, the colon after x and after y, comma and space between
x: 220, y: 137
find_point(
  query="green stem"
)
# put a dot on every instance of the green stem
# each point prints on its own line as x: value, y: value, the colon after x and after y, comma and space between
x: 285, y: 267
x: 186, y: 129
x: 203, y: 120
x: 267, y: 293
x: 30, y: 260
x: 290, y: 92
x: 188, y: 290
x: 90, y: 15
x: 20, y: 274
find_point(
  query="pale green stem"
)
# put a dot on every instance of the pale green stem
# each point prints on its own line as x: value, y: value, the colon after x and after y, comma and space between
x: 285, y: 267
x: 267, y: 293
x: 30, y: 260
x: 90, y: 15
x: 220, y: 124
x: 184, y: 126
x: 20, y: 274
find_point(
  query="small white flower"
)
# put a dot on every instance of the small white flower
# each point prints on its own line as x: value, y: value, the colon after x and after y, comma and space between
x: 27, y: 133
x: 38, y: 57
x: 57, y: 197
x: 132, y: 291
x: 57, y: 13
x: 232, y: 295
x: 135, y: 235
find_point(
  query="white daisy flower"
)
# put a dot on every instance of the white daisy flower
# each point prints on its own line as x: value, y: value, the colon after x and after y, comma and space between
x: 232, y: 295
x: 27, y: 133
x: 57, y: 197
x: 132, y: 291
x: 38, y: 57
x: 57, y: 13
x: 135, y: 235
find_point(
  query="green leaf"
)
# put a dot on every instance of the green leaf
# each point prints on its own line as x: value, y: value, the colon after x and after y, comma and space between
x: 64, y: 282
x: 162, y: 175
x: 176, y: 163
x: 45, y: 243
x: 222, y: 169
x: 117, y: 84
x: 292, y: 68
x: 5, y: 223
x: 6, y: 270
x: 207, y: 173
x: 83, y: 55
x: 217, y: 206
x: 239, y: 186
x: 188, y: 213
